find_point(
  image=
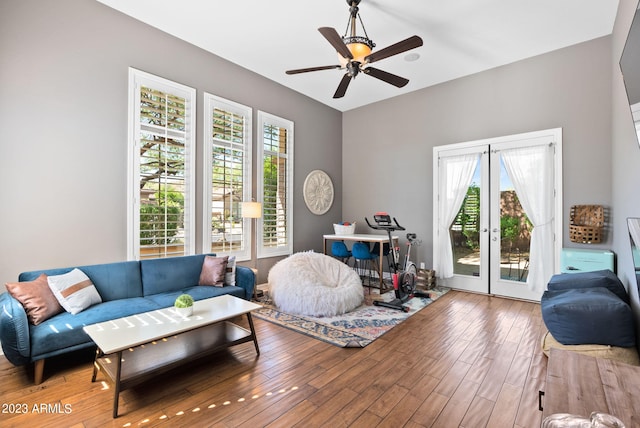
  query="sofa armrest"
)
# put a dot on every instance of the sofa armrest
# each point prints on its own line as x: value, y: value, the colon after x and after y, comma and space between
x: 246, y: 279
x: 14, y: 330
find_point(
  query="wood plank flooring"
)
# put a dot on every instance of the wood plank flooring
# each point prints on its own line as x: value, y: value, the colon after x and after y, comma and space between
x: 467, y: 361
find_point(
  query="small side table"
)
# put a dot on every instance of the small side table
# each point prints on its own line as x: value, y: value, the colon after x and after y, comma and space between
x: 263, y: 291
x: 257, y: 292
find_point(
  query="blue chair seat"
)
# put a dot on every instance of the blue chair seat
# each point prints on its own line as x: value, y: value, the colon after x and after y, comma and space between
x: 340, y: 251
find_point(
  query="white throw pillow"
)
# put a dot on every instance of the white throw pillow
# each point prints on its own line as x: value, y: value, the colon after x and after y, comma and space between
x: 230, y: 274
x: 74, y: 291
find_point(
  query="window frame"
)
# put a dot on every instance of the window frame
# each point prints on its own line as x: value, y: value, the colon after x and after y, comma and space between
x: 212, y: 102
x: 270, y: 119
x: 137, y: 79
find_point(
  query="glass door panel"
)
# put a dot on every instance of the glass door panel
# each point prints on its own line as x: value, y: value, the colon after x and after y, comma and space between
x: 511, y: 228
x: 465, y: 231
x: 515, y: 232
x: 468, y: 231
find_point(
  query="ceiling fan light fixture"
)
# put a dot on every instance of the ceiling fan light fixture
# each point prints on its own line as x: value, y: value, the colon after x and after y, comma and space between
x: 360, y: 47
x: 355, y: 53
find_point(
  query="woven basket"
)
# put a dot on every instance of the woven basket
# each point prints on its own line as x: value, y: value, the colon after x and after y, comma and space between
x: 586, y: 223
x: 341, y: 229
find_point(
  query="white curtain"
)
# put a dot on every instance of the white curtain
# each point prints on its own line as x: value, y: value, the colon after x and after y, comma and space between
x: 531, y: 171
x: 455, y: 174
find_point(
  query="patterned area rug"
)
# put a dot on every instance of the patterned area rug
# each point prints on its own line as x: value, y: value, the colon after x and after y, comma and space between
x: 355, y: 329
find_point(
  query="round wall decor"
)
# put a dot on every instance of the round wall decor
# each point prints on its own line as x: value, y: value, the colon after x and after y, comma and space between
x: 318, y: 192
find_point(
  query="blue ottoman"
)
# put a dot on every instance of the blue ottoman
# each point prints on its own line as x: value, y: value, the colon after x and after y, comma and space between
x: 588, y: 315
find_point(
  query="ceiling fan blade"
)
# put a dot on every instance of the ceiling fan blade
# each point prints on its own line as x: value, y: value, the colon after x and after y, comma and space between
x: 386, y: 77
x: 342, y: 87
x: 403, y: 46
x: 334, y: 38
x: 306, y: 70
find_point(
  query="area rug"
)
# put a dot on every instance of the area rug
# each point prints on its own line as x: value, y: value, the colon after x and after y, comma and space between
x: 354, y: 329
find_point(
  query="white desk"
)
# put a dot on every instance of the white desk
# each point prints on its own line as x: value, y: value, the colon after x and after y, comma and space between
x: 362, y: 237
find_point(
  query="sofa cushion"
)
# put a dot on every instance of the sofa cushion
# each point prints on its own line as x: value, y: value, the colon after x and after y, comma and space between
x: 588, y: 315
x: 114, y: 281
x: 74, y: 290
x: 170, y: 274
x: 198, y: 292
x: 601, y: 278
x: 213, y: 271
x: 36, y: 297
x: 64, y: 330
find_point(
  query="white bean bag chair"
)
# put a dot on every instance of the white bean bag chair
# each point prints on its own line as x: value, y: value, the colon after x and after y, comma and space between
x: 314, y: 284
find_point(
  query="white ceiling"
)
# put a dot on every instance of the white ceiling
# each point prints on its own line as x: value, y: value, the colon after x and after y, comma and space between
x: 461, y: 37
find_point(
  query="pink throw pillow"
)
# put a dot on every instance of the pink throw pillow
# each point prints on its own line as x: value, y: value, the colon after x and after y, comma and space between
x: 36, y: 297
x: 213, y: 270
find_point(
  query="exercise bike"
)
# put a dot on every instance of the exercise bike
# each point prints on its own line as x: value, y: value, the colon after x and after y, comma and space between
x: 404, y: 280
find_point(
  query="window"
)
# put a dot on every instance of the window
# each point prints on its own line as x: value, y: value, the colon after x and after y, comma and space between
x: 161, y: 175
x: 275, y: 182
x: 227, y: 168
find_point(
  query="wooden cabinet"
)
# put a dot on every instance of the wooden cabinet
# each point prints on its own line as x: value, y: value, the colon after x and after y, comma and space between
x: 580, y: 384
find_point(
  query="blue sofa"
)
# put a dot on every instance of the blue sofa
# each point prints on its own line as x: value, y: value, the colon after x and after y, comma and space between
x: 126, y: 288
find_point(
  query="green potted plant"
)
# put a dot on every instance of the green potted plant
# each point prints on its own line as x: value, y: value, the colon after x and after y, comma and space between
x: 184, y: 305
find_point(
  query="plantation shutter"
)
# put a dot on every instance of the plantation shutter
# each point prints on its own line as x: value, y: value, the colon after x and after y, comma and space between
x: 230, y: 177
x: 161, y: 156
x: 277, y: 181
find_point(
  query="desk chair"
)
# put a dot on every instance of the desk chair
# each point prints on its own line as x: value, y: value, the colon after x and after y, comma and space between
x: 363, y: 259
x: 385, y: 252
x: 340, y: 251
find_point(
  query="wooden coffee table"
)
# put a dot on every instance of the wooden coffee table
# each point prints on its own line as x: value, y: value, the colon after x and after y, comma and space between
x: 157, y: 341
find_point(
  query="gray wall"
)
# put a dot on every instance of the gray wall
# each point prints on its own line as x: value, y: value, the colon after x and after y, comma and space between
x: 625, y: 175
x: 569, y: 88
x: 63, y: 133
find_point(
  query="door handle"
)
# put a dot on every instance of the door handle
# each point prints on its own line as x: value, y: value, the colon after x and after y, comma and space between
x: 495, y: 230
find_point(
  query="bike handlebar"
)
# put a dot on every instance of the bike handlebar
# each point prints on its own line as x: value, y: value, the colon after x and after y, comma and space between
x: 386, y: 220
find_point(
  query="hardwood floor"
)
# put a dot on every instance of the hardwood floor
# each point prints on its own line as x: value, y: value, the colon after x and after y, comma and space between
x: 467, y: 360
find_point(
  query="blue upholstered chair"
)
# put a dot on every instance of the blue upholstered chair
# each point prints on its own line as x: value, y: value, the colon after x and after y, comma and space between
x: 363, y: 259
x: 340, y: 251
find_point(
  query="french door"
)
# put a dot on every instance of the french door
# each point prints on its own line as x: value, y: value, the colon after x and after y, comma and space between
x: 498, y: 214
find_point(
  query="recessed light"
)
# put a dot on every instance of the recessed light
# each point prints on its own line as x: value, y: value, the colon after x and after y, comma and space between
x: 412, y: 57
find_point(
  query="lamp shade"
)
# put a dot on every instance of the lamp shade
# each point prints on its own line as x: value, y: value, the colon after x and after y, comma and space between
x: 251, y: 210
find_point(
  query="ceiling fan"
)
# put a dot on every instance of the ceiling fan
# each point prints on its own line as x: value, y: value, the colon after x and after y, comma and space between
x: 355, y: 53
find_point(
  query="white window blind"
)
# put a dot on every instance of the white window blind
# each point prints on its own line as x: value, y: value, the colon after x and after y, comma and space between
x: 276, y: 185
x: 161, y: 207
x: 228, y: 165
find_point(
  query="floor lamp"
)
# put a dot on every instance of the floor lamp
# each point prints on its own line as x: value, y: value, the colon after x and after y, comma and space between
x: 253, y: 210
